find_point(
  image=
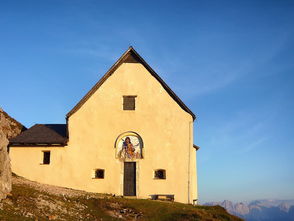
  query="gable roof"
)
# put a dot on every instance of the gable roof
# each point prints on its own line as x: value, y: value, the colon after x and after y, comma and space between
x: 42, y: 134
x: 130, y: 56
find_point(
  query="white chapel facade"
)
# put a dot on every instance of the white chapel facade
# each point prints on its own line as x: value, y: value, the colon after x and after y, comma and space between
x: 130, y: 135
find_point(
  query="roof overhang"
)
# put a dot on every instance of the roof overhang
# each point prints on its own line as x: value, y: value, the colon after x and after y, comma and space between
x: 37, y: 144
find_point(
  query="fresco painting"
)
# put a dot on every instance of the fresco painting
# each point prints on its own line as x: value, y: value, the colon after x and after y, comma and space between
x: 129, y: 147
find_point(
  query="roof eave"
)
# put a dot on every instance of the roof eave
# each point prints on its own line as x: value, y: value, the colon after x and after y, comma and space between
x: 98, y: 84
x: 36, y: 144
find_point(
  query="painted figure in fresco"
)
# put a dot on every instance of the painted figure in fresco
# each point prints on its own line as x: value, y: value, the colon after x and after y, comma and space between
x: 129, y: 150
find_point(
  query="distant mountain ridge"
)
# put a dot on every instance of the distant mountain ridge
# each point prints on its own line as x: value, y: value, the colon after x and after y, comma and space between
x: 260, y: 210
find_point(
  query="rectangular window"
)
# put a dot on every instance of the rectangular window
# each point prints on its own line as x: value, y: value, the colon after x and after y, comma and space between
x: 160, y: 174
x: 99, y: 174
x: 46, y: 157
x: 129, y: 102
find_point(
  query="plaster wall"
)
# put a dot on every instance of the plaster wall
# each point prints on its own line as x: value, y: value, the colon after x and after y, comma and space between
x: 165, y: 128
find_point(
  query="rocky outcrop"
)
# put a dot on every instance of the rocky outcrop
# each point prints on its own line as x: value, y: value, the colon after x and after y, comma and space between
x: 5, y: 170
x: 8, y: 128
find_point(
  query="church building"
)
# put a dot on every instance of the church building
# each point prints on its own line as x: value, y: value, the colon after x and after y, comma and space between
x: 130, y: 135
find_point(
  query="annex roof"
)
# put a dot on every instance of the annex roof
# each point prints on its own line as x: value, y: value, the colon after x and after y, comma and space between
x: 130, y: 56
x: 42, y: 134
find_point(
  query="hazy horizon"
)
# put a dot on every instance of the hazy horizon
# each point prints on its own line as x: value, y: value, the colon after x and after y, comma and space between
x: 231, y: 62
x: 250, y: 201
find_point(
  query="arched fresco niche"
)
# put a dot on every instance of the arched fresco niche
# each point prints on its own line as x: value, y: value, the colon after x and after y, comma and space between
x: 129, y: 146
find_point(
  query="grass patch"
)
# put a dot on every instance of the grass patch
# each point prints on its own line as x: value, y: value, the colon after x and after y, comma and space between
x: 27, y: 203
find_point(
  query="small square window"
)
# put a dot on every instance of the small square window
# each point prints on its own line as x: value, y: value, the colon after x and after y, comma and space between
x: 99, y: 174
x: 160, y: 174
x: 46, y: 157
x: 129, y: 102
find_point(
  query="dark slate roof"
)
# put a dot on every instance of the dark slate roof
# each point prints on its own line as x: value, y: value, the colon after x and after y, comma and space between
x: 42, y: 134
x: 130, y: 56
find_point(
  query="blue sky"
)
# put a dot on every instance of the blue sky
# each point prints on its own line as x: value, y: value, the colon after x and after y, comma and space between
x: 231, y: 62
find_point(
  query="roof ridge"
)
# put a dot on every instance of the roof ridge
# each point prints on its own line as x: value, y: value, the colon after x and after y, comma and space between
x: 54, y: 124
x: 49, y: 124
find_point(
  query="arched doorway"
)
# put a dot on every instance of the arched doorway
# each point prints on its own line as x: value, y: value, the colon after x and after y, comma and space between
x: 129, y: 150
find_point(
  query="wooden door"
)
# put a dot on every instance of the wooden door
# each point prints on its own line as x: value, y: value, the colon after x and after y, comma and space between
x: 130, y: 179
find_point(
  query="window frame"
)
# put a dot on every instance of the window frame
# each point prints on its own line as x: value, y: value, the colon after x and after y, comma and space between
x: 129, y: 107
x: 44, y: 161
x: 96, y: 173
x: 158, y: 177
